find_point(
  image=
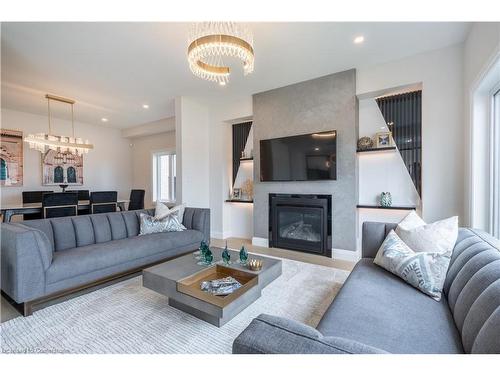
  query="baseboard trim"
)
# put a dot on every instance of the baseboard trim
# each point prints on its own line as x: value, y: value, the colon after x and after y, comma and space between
x: 259, y: 241
x: 350, y: 256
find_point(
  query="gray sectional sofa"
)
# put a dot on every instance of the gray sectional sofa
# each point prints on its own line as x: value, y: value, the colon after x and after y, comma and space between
x: 377, y: 312
x: 48, y: 258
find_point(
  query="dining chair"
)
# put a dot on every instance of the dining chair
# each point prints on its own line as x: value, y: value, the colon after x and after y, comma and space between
x: 59, y: 204
x: 33, y: 197
x: 103, y: 201
x: 136, y: 199
x: 83, y: 195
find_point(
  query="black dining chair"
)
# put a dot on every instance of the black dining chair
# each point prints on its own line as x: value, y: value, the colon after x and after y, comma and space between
x: 103, y: 201
x: 59, y: 204
x: 136, y: 199
x: 83, y: 195
x: 33, y: 197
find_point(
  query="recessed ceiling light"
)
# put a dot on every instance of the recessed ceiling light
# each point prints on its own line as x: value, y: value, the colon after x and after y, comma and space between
x: 359, y: 39
x: 145, y: 106
x: 104, y: 119
x: 316, y: 149
x: 222, y: 83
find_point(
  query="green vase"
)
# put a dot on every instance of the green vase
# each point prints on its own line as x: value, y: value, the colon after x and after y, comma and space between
x: 209, y: 257
x: 226, y: 257
x: 243, y: 255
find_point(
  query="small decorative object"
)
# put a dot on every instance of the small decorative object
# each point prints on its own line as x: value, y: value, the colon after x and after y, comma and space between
x: 365, y: 143
x: 197, y: 253
x: 243, y: 154
x: 385, y: 199
x: 243, y: 255
x: 247, y: 189
x: 236, y: 193
x: 255, y: 264
x: 220, y: 287
x: 63, y: 187
x: 11, y: 157
x: 384, y: 139
x: 226, y: 257
x: 209, y: 257
x: 202, y: 252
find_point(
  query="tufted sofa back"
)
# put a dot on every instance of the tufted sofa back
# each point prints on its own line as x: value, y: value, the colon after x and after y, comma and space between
x: 74, y: 231
x: 472, y: 288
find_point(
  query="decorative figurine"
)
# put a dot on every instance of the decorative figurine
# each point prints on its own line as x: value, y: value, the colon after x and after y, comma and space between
x: 209, y: 257
x: 203, y: 252
x: 226, y: 257
x: 255, y: 264
x: 365, y: 143
x: 243, y: 255
x: 385, y: 199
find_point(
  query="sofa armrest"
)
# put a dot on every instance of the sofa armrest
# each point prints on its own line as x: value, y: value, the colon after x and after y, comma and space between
x: 26, y: 254
x: 374, y: 234
x: 268, y: 334
x: 198, y: 219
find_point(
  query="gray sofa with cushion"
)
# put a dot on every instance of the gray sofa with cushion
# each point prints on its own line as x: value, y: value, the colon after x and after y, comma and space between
x: 377, y: 312
x: 43, y: 259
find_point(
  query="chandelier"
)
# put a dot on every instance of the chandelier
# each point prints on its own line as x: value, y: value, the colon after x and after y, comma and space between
x: 62, y: 144
x: 210, y: 42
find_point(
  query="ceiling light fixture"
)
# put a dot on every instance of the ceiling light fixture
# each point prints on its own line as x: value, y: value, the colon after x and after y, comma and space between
x: 104, y: 119
x: 359, y: 39
x: 209, y: 42
x: 145, y: 106
x: 44, y: 142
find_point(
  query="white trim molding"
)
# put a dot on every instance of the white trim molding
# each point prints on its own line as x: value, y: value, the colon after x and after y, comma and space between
x: 348, y: 255
x: 220, y: 235
x: 259, y: 241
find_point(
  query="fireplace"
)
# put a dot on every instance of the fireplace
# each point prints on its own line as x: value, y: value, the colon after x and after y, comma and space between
x: 301, y: 222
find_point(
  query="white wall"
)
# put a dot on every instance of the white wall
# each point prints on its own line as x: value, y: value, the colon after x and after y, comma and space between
x: 106, y: 167
x: 481, y: 49
x: 441, y: 75
x: 192, y: 150
x: 142, y: 165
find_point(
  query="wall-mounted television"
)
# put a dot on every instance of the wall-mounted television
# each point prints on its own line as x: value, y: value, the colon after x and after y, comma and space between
x: 304, y: 157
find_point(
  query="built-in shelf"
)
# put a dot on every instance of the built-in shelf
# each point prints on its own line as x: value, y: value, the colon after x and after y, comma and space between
x: 246, y: 159
x: 387, y: 208
x: 239, y: 201
x: 391, y: 148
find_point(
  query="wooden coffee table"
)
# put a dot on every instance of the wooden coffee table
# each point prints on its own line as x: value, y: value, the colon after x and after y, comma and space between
x: 176, y: 279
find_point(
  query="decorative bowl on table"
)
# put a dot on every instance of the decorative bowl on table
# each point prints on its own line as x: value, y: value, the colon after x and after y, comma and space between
x: 255, y: 264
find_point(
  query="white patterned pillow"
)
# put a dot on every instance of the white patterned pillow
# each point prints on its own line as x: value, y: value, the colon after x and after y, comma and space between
x: 425, y: 271
x: 149, y: 224
x: 162, y: 210
x: 438, y: 237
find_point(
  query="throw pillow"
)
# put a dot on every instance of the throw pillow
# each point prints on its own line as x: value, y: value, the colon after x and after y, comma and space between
x: 162, y: 210
x: 438, y: 237
x: 425, y: 271
x: 149, y: 224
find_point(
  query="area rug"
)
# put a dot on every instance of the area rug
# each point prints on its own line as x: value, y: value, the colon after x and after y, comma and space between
x: 128, y: 318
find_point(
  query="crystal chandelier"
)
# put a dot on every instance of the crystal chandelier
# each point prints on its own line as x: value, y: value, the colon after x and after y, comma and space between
x: 209, y: 42
x: 62, y: 144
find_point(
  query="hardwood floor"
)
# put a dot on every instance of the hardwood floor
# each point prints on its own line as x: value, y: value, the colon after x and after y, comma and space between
x: 236, y: 243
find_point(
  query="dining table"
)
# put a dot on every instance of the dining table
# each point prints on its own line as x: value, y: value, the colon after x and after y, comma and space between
x: 11, y: 209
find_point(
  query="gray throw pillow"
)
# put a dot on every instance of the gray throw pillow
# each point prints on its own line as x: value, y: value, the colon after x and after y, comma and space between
x: 149, y: 224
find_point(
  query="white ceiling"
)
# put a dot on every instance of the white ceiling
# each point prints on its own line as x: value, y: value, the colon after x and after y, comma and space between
x: 111, y: 69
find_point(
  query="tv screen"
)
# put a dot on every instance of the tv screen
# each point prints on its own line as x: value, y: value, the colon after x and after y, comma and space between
x: 299, y: 158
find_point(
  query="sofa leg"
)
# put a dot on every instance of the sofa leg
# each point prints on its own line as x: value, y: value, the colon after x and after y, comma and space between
x: 27, y: 308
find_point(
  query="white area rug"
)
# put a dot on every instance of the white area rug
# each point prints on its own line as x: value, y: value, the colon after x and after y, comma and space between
x: 128, y: 318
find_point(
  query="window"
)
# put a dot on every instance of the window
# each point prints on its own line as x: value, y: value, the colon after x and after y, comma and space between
x: 495, y: 165
x: 164, y: 176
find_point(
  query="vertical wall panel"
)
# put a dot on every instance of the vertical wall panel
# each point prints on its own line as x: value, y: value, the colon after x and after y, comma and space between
x: 404, y: 111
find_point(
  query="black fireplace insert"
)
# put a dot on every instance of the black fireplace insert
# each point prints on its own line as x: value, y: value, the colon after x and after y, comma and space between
x: 301, y: 222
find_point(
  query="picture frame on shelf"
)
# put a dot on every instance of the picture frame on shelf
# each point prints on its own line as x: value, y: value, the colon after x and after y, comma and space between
x: 236, y: 193
x: 384, y: 139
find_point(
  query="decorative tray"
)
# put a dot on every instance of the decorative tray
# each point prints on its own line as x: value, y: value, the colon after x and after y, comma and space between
x: 191, y: 285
